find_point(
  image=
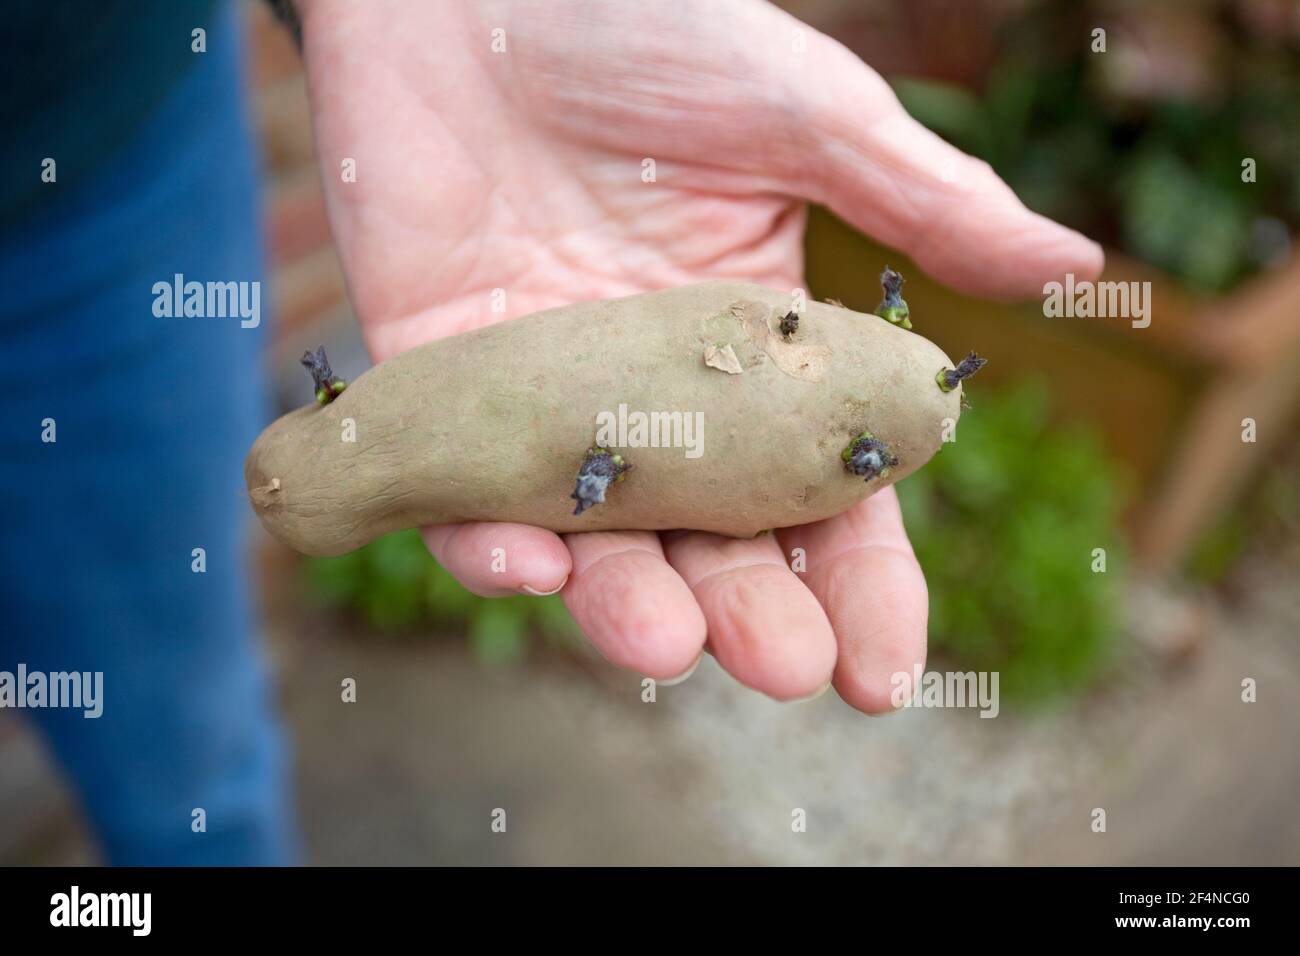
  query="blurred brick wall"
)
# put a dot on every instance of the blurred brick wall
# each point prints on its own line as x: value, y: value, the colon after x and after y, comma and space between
x: 307, y: 277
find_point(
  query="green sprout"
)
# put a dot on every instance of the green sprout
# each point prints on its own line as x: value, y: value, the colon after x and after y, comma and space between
x: 599, y: 468
x: 868, y: 457
x: 893, y: 308
x: 328, y: 385
x: 950, y: 378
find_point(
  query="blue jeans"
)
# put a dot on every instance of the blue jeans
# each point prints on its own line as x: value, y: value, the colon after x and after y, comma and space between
x: 152, y: 418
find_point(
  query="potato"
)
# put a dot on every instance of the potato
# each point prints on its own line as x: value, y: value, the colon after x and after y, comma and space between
x: 496, y: 424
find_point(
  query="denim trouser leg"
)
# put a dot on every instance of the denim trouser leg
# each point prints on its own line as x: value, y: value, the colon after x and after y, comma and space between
x: 152, y: 417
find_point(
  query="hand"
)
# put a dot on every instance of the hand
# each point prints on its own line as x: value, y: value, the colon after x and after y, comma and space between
x: 522, y: 170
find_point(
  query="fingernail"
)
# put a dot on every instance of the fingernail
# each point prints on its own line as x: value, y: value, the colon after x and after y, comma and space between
x: 681, y: 677
x: 555, y: 590
x: 813, y: 696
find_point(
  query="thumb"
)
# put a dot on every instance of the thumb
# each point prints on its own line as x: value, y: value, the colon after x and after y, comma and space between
x: 886, y: 174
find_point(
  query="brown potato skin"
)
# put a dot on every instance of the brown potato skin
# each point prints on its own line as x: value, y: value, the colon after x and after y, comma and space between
x: 492, y: 425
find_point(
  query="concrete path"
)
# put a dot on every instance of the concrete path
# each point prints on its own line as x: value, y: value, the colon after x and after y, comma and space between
x: 588, y: 773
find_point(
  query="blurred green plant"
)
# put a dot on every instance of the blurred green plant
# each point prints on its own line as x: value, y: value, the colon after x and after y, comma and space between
x: 1155, y: 171
x: 1004, y: 522
x: 396, y: 586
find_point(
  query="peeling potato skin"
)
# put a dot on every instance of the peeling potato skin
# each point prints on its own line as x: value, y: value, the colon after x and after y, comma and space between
x: 492, y: 425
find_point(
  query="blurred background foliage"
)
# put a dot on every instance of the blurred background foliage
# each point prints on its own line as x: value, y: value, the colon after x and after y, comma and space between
x: 1140, y: 147
x: 1004, y: 522
x: 394, y: 585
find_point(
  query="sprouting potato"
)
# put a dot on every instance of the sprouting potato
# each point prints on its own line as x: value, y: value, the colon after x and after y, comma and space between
x: 738, y: 419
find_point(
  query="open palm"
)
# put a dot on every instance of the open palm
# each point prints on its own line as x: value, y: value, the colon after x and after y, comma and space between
x: 516, y: 156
